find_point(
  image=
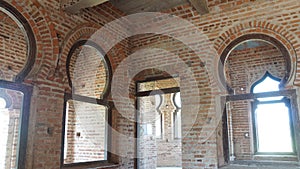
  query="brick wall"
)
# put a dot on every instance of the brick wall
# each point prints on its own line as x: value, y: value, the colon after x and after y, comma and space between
x: 246, y: 66
x: 88, y: 72
x: 13, y: 48
x: 56, y: 31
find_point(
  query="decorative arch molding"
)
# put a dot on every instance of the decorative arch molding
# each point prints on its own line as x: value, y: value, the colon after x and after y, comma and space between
x: 260, y: 30
x: 46, y: 47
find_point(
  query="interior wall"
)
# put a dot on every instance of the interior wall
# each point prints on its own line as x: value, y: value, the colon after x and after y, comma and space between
x: 245, y: 66
x: 13, y: 47
x: 88, y: 72
x: 54, y: 30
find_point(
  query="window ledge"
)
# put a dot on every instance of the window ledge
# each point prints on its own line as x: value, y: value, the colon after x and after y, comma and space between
x: 110, y: 166
x: 259, y: 163
x: 273, y: 157
x: 92, y: 166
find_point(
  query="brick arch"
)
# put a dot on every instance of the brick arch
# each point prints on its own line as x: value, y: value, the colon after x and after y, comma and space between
x: 79, y: 33
x: 227, y: 40
x: 44, y: 34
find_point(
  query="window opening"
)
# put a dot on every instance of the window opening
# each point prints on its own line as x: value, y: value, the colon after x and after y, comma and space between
x: 4, y: 120
x: 12, y: 112
x: 87, y: 111
x: 86, y: 132
x: 272, y: 127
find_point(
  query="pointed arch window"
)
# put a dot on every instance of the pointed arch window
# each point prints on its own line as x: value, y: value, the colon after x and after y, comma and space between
x: 272, y: 123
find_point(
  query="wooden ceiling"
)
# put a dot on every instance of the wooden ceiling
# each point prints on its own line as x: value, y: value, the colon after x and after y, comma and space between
x: 135, y: 6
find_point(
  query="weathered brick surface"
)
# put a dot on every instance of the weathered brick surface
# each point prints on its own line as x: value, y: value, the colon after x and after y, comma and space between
x: 88, y: 72
x: 56, y: 31
x: 244, y: 67
x: 13, y: 47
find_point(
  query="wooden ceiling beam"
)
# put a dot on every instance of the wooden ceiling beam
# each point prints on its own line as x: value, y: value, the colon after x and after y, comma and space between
x: 81, y: 4
x: 200, y: 6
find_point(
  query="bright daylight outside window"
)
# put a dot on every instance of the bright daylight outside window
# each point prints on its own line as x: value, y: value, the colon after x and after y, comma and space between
x: 272, y: 119
x: 2, y: 103
x: 3, y: 130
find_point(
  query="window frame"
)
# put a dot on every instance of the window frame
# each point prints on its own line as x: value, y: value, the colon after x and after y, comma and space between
x: 291, y: 95
x: 108, y: 105
x: 24, y: 121
x: 103, y: 100
x: 254, y: 105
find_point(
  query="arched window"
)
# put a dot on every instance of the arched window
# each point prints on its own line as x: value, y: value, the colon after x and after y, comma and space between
x: 87, y: 111
x: 251, y: 127
x: 272, y: 123
x: 17, y: 56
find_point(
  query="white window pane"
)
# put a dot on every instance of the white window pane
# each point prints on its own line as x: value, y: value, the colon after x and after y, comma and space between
x: 86, y: 132
x: 267, y: 85
x: 273, y: 128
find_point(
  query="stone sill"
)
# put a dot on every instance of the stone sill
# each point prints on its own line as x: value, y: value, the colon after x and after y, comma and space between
x: 280, y: 158
x: 259, y: 163
x: 92, y: 166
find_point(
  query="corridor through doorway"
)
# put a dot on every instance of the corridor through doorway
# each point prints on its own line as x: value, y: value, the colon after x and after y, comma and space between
x: 159, y: 144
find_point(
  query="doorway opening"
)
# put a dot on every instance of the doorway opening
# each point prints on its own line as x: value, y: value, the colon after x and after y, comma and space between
x: 159, y: 144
